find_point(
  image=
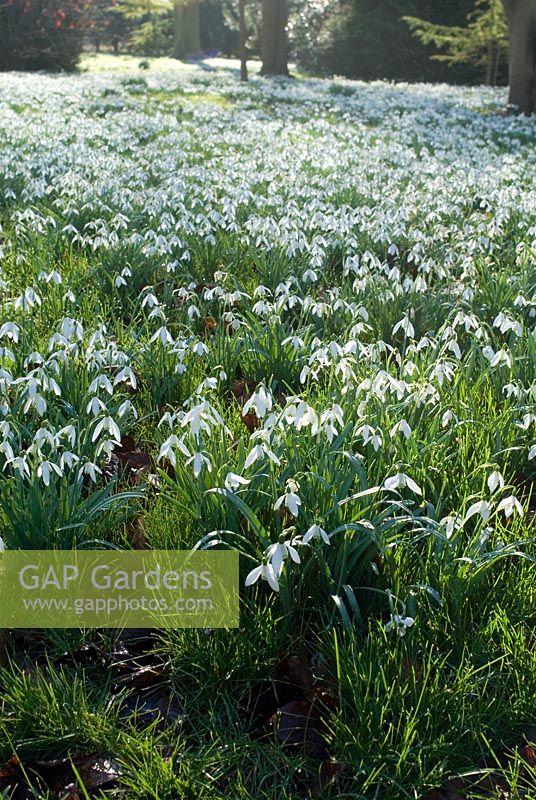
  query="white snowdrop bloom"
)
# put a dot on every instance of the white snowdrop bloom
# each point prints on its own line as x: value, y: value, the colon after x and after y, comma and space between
x: 200, y: 349
x: 261, y: 402
x: 278, y: 552
x: 2, y: 545
x: 102, y: 381
x: 91, y: 469
x: 495, y: 481
x: 258, y: 452
x: 291, y: 499
x: 329, y: 419
x: 234, y: 481
x: 107, y: 424
x: 295, y: 341
x: 452, y: 524
x: 401, y: 427
x: 28, y: 300
x: 315, y: 532
x: 45, y: 469
x: 105, y: 447
x: 126, y: 375
x: 502, y: 357
x: 401, y: 481
x: 480, y: 507
x: 448, y: 417
x: 126, y: 408
x: 162, y: 335
x: 511, y: 390
x: 20, y: 465
x: 10, y: 330
x: 532, y: 452
x: 509, y: 505
x: 405, y: 325
x: 68, y: 459
x: 167, y: 450
x: 371, y: 436
x: 267, y: 573
x: 399, y: 624
x: 95, y: 406
x: 71, y: 328
x: 7, y: 451
x: 526, y: 422
x: 149, y: 301
x: 168, y: 418
x: 38, y: 402
x: 199, y: 460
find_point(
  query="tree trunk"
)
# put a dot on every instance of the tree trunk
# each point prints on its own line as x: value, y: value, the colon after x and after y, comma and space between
x: 186, y: 40
x: 274, y: 37
x: 242, y: 41
x: 521, y: 16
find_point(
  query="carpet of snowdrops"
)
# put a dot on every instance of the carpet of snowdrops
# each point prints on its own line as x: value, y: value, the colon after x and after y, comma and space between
x: 296, y: 318
x: 312, y: 302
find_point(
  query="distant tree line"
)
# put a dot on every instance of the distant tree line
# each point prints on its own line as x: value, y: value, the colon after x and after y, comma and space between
x: 453, y: 40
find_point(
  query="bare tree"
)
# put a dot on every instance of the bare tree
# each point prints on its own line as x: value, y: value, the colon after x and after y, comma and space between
x: 274, y: 37
x: 521, y: 15
x: 186, y: 40
x: 242, y: 40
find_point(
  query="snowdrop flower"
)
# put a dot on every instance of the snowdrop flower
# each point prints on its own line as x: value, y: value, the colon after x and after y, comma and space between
x: 401, y: 481
x: 67, y: 459
x: 7, y: 450
x: 502, y: 357
x: 163, y: 335
x: 290, y: 499
x: 107, y: 424
x: 528, y: 419
x: 38, y: 402
x: 315, y: 532
x: 2, y: 545
x: 278, y: 552
x: 401, y: 427
x: 481, y: 507
x: 532, y: 452
x: 509, y: 505
x: 95, y: 406
x: 45, y: 469
x: 233, y: 481
x: 495, y: 481
x: 28, y: 300
x: 127, y: 408
x: 10, y: 330
x: 329, y: 418
x: 447, y: 417
x: 267, y: 573
x: 200, y: 349
x: 102, y: 381
x: 127, y: 375
x: 92, y: 470
x: 258, y: 452
x: 452, y: 524
x: 199, y: 460
x: 260, y: 401
x: 406, y: 326
x: 399, y: 624
x: 168, y: 449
